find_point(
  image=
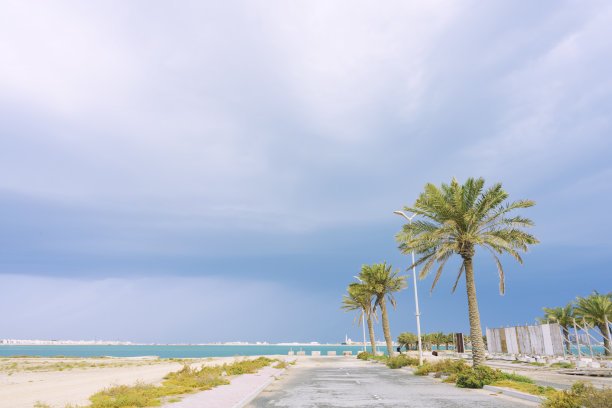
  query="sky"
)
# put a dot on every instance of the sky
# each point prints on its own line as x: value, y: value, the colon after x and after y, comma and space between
x: 220, y: 171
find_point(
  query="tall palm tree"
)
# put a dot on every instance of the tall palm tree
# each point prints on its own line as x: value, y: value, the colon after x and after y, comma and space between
x: 358, y: 298
x: 595, y: 309
x: 455, y: 219
x: 562, y: 315
x: 381, y: 283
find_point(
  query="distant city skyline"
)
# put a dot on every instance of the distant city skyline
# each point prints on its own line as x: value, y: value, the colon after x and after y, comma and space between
x: 207, y: 172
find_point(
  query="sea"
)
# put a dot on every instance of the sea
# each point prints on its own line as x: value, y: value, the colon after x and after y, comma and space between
x: 191, y: 351
x: 170, y: 351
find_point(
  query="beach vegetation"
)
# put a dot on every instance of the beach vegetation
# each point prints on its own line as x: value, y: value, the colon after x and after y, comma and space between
x: 282, y: 364
x: 446, y: 366
x: 580, y: 395
x: 517, y: 378
x: 364, y: 355
x: 455, y: 219
x: 381, y: 283
x: 478, y: 377
x: 360, y: 299
x: 451, y: 378
x: 402, y: 360
x: 186, y: 380
x: 139, y: 395
x: 529, y: 388
x: 563, y: 365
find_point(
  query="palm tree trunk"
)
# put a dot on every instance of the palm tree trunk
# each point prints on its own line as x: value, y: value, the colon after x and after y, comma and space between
x: 385, y: 325
x: 478, y: 352
x: 565, y: 339
x: 602, y: 329
x: 371, y: 330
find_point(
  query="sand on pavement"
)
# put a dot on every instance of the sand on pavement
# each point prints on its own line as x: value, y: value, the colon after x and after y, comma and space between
x: 26, y: 381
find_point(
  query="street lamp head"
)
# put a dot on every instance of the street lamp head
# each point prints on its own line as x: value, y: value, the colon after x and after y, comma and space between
x: 403, y: 214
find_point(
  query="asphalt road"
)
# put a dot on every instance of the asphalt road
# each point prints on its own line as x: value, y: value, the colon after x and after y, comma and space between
x: 344, y: 382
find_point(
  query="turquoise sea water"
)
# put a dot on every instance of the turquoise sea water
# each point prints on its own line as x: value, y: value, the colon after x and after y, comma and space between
x: 169, y: 351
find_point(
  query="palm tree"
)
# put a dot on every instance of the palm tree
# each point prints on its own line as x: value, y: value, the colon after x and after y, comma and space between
x: 437, y: 339
x: 595, y: 309
x: 562, y: 315
x: 358, y: 298
x: 407, y: 340
x: 455, y: 220
x: 381, y: 283
x: 447, y: 340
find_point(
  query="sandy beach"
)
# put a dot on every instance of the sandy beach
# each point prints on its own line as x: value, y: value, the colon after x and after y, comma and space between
x: 61, y: 381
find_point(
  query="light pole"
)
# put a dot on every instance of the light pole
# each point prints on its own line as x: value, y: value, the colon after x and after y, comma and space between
x: 416, y: 296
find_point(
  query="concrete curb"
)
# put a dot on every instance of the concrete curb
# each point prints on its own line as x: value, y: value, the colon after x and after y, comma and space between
x: 255, y: 393
x: 513, y: 393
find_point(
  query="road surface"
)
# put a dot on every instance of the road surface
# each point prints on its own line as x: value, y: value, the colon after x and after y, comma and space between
x: 347, y: 382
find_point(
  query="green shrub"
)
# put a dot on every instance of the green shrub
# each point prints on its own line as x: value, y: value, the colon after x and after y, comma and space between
x: 526, y: 387
x: 580, y: 395
x: 450, y: 379
x: 518, y: 378
x: 402, y: 360
x: 281, y: 365
x: 445, y: 366
x: 364, y: 355
x: 478, y: 377
x: 140, y: 395
x: 562, y: 365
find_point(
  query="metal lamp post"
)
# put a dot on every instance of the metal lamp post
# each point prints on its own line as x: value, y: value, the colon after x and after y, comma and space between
x: 416, y: 296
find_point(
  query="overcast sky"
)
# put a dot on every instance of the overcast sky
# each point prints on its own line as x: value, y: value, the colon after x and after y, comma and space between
x: 218, y: 171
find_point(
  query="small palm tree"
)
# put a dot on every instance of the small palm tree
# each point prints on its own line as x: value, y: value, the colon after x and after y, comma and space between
x: 437, y: 339
x: 457, y: 219
x: 381, y: 283
x: 358, y: 298
x: 448, y: 338
x: 562, y: 315
x: 407, y: 340
x: 595, y: 309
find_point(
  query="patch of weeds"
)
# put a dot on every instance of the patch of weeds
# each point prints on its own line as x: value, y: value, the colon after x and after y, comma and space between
x: 580, y: 395
x: 40, y: 404
x: 402, y: 360
x: 364, y: 355
x: 450, y: 379
x: 444, y: 366
x: 383, y: 358
x: 518, y: 378
x: 538, y: 364
x: 281, y: 365
x: 139, y: 395
x: 478, y: 377
x: 562, y: 365
x: 528, y: 388
x: 185, y: 381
